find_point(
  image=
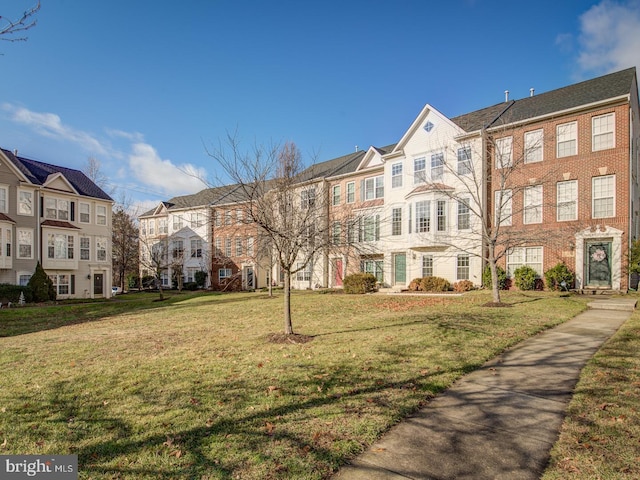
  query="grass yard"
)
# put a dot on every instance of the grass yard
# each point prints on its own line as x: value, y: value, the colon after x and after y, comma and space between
x: 600, y: 437
x: 191, y: 388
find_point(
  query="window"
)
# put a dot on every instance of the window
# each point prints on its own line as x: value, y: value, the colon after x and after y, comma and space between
x: 335, y: 190
x: 396, y: 175
x: 85, y: 214
x: 191, y: 274
x: 533, y: 150
x: 85, y: 248
x: 4, y: 199
x: 308, y: 198
x: 227, y: 247
x: 462, y: 270
x: 464, y: 161
x: 352, y: 229
x: 218, y: 243
x: 602, y: 128
x: 250, y: 246
x: 101, y: 217
x: 196, y: 248
x: 533, y: 204
x: 23, y: 279
x: 423, y: 216
x: 101, y: 249
x: 197, y: 219
x: 441, y: 215
x: 374, y: 188
x: 56, y: 209
x: 373, y: 267
x: 371, y: 228
x: 178, y: 249
x: 224, y: 274
x: 419, y: 170
x: 25, y: 202
x: 152, y: 227
x: 239, y: 247
x: 530, y: 256
x: 25, y: 242
x: 162, y: 224
x: 59, y: 246
x: 567, y: 199
x: 464, y: 215
x: 603, y: 196
x: 227, y: 217
x: 503, y: 207
x: 216, y: 218
x: 60, y: 283
x: 304, y: 272
x: 504, y: 152
x: 8, y: 239
x: 239, y: 217
x: 427, y: 266
x: 396, y: 221
x: 567, y: 139
x: 351, y: 192
x: 437, y: 166
x: 336, y: 233
x: 177, y: 223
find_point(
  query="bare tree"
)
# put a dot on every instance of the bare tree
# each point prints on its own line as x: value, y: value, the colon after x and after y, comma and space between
x: 125, y: 255
x: 14, y: 30
x: 155, y: 259
x: 288, y: 209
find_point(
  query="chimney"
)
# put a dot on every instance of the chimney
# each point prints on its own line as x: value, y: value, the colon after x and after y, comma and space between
x: 15, y: 152
x: 531, y: 91
x: 356, y: 148
x: 506, y: 95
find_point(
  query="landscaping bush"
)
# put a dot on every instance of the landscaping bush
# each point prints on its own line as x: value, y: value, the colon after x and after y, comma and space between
x: 525, y: 278
x: 434, y: 284
x: 201, y: 278
x: 463, y: 286
x: 190, y: 286
x: 502, y: 277
x: 558, y: 274
x: 41, y: 285
x: 359, y: 283
x: 11, y: 293
x: 414, y: 285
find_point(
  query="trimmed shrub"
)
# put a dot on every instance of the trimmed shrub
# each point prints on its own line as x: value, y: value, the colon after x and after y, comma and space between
x: 11, y: 293
x: 558, y: 274
x: 190, y: 286
x: 201, y: 278
x: 502, y: 277
x: 41, y: 285
x: 359, y: 283
x: 414, y: 285
x: 434, y: 284
x: 525, y: 277
x: 463, y: 286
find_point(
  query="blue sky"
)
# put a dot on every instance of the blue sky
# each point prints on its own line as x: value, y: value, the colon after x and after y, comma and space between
x: 144, y: 85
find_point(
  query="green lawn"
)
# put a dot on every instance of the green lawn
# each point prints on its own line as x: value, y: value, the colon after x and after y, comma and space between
x: 600, y: 437
x: 191, y: 388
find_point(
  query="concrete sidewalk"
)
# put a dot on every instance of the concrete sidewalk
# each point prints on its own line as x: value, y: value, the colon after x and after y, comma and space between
x: 501, y: 421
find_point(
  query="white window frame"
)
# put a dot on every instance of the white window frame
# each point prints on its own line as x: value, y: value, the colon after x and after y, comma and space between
x: 396, y: 221
x: 567, y: 201
x: 374, y: 187
x: 603, y: 129
x: 85, y: 247
x: 196, y: 247
x: 224, y: 273
x: 423, y: 216
x: 530, y: 256
x: 442, y: 207
x: 437, y: 166
x: 54, y: 208
x: 464, y: 214
x: 101, y: 216
x: 419, y: 170
x: 533, y: 196
x: 60, y: 243
x: 567, y: 139
x: 504, y: 152
x: 599, y: 194
x: 336, y: 233
x: 227, y: 247
x: 177, y: 223
x: 60, y: 281
x: 503, y: 212
x: 250, y: 243
x: 396, y: 175
x: 101, y: 249
x: 427, y: 265
x: 20, y: 232
x: 463, y: 266
x: 239, y: 247
x: 304, y: 274
x: 335, y: 195
x: 465, y: 165
x: 533, y: 146
x: 86, y: 206
x: 4, y: 198
x: 351, y: 192
x: 25, y: 207
x: 22, y: 278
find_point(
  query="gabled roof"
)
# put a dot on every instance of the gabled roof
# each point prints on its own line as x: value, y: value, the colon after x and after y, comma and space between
x: 607, y: 87
x: 336, y: 166
x: 38, y: 173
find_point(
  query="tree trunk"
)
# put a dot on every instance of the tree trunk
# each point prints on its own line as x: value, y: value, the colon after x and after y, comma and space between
x: 495, y: 288
x: 288, y: 328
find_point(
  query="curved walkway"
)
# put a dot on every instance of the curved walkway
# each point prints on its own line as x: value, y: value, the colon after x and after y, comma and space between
x: 501, y: 421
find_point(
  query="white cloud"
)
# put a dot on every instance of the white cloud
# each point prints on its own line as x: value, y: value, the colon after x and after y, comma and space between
x: 610, y: 36
x: 172, y: 179
x: 50, y: 125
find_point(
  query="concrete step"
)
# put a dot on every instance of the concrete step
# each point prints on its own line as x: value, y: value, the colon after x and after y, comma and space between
x: 624, y: 303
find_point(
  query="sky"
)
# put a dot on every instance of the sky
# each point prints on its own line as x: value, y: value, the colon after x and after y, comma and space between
x: 147, y: 87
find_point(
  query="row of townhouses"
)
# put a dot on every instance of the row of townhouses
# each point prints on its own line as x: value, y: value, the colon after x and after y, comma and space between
x: 548, y: 178
x: 56, y: 216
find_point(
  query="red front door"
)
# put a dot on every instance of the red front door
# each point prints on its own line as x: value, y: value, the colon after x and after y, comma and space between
x: 337, y: 272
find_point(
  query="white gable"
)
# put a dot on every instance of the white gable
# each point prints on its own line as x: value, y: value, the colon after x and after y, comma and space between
x: 372, y: 159
x: 57, y: 181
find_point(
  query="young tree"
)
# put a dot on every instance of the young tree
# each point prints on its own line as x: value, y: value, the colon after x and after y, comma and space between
x: 155, y: 259
x: 125, y: 246
x: 288, y: 209
x: 13, y: 30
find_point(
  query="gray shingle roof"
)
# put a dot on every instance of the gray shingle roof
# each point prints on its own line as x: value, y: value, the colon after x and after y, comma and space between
x: 590, y: 91
x: 38, y: 172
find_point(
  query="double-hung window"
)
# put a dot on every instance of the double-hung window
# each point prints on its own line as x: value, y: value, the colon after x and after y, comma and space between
x: 533, y: 204
x: 101, y: 249
x: 567, y: 200
x: 504, y: 152
x: 25, y: 202
x: 419, y: 170
x: 464, y: 214
x: 441, y: 215
x: 85, y: 248
x: 56, y: 208
x: 437, y: 166
x: 239, y: 247
x: 530, y: 256
x: 25, y: 242
x: 503, y: 208
x: 396, y: 175
x: 335, y: 197
x: 567, y: 139
x: 462, y: 270
x: 59, y: 246
x: 533, y: 150
x: 603, y: 132
x: 396, y: 221
x: 101, y: 217
x: 374, y: 188
x: 196, y: 248
x: 351, y: 192
x: 603, y: 193
x: 227, y: 247
x: 423, y: 216
x: 427, y: 266
x: 85, y: 213
x: 464, y: 161
x: 4, y: 199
